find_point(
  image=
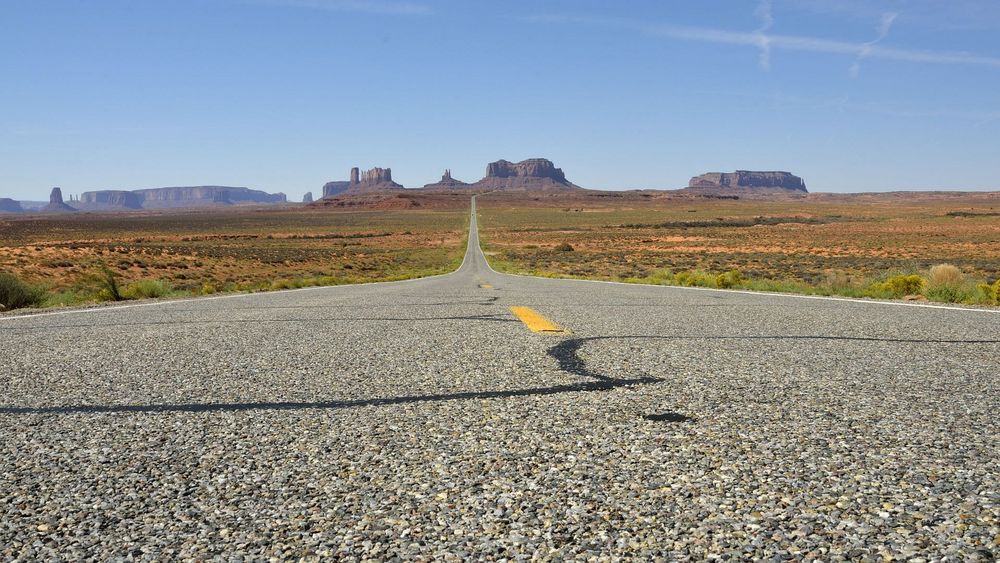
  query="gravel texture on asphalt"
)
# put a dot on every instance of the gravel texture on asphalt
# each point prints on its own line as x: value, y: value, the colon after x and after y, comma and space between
x: 422, y: 420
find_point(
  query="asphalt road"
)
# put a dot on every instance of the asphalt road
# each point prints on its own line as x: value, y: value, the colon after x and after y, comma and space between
x: 423, y: 419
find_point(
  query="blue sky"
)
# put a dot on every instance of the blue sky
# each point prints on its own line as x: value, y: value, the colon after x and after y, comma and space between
x: 284, y: 95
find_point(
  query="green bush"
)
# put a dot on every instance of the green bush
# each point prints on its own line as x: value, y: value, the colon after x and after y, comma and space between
x: 147, y: 289
x: 564, y: 247
x: 899, y: 286
x: 732, y: 278
x: 990, y: 293
x: 15, y: 294
x: 948, y: 293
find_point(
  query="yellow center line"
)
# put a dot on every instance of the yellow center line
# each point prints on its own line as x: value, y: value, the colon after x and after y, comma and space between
x: 535, y: 321
x: 485, y: 286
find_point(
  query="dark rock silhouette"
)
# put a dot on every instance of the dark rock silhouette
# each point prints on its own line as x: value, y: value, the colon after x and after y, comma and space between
x: 534, y: 174
x: 748, y: 180
x: 56, y: 203
x: 8, y: 205
x: 308, y: 198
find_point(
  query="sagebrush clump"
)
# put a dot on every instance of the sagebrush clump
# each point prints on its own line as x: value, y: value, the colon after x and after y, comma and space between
x: 15, y: 294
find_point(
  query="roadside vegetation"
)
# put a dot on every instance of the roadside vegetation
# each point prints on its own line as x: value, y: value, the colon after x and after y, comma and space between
x: 84, y: 259
x: 936, y: 247
x: 925, y: 286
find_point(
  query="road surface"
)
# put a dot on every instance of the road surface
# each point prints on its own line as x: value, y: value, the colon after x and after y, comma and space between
x: 425, y: 419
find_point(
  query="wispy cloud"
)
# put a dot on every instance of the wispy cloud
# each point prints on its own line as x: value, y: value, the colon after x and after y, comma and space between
x: 364, y: 6
x: 763, y: 12
x: 870, y: 49
x: 882, y: 31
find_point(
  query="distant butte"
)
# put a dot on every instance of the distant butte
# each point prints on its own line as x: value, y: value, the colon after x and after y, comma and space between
x: 370, y: 181
x: 56, y: 203
x: 748, y: 180
x: 534, y: 174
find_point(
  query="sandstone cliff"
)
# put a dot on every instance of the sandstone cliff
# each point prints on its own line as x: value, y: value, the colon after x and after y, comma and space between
x: 308, y: 198
x: 748, y: 180
x: 534, y: 174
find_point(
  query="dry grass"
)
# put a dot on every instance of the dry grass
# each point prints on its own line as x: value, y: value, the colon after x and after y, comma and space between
x: 200, y: 252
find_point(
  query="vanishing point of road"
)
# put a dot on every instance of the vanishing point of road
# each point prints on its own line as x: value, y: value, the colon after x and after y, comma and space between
x: 478, y: 415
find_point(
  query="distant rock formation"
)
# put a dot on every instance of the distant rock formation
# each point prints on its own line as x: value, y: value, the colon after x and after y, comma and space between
x: 533, y: 174
x: 8, y: 205
x: 174, y: 198
x: 308, y: 198
x: 56, y: 203
x: 110, y: 199
x: 748, y: 180
x: 447, y: 183
x: 369, y: 181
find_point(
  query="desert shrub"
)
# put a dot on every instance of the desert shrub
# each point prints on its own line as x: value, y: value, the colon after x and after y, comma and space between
x: 732, y: 278
x: 15, y: 294
x: 898, y: 286
x: 945, y: 275
x: 209, y: 289
x: 694, y: 278
x: 564, y: 247
x: 146, y: 289
x: 109, y: 285
x: 990, y: 292
x: 948, y: 293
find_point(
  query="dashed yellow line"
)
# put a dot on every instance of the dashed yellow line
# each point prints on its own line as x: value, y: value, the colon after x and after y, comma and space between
x: 535, y: 321
x: 485, y: 286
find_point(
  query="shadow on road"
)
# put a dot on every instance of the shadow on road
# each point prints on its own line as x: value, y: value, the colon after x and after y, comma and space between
x: 566, y: 353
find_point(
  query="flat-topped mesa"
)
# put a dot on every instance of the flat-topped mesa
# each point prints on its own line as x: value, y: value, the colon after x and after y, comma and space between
x: 8, y: 205
x: 529, y: 175
x: 749, y: 180
x: 110, y: 198
x: 308, y: 198
x: 56, y: 203
x: 362, y: 182
x: 446, y: 183
x: 174, y: 198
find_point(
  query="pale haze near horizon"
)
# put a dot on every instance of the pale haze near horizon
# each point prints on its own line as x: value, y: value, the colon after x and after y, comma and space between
x: 284, y: 95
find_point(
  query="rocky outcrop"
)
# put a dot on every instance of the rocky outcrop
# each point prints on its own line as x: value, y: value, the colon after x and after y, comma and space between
x: 174, y: 198
x: 8, y: 205
x: 748, y: 180
x: 447, y: 183
x: 533, y: 174
x: 308, y: 198
x: 56, y: 203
